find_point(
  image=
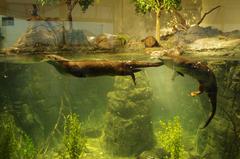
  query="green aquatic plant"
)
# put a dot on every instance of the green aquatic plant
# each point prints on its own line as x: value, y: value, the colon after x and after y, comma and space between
x: 73, y: 139
x: 169, y: 137
x: 14, y: 143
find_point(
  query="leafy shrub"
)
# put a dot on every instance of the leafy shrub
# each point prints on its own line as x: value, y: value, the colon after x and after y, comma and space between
x: 169, y: 138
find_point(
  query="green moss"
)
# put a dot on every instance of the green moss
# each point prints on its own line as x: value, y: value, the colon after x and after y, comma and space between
x: 169, y: 137
x: 124, y: 38
x: 73, y: 139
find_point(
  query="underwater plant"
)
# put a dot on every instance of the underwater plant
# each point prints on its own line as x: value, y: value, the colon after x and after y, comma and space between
x: 14, y: 143
x: 73, y: 139
x: 169, y: 137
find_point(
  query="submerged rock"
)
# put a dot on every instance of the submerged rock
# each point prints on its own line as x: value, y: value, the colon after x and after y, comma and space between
x: 154, y: 154
x: 222, y: 138
x: 128, y: 128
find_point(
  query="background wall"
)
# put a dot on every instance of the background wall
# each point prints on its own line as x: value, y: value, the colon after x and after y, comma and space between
x: 226, y: 18
x: 97, y: 19
x: 118, y: 16
x: 143, y: 25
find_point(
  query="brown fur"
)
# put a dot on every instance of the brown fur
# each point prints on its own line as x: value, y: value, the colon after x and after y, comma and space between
x: 199, y: 71
x: 92, y: 68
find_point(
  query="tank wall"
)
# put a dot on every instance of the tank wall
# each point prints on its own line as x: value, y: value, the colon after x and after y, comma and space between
x: 225, y: 18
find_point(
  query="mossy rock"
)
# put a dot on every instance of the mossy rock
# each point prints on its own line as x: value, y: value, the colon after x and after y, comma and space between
x: 128, y: 128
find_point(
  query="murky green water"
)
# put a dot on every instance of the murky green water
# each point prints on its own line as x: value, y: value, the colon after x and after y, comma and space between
x: 118, y: 119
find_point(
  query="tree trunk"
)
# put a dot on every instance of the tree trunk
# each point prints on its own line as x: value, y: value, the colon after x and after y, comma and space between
x: 158, y: 26
x: 63, y: 35
x: 69, y: 13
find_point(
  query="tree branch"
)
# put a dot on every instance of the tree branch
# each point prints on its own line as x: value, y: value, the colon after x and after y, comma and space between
x: 156, y: 1
x: 181, y: 19
x: 74, y: 3
x: 205, y: 14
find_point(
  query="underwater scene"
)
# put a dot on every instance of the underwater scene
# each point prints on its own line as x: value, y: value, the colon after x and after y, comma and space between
x: 119, y: 79
x: 45, y: 114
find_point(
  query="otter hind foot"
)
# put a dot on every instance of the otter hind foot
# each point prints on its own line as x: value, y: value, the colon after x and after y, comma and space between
x: 195, y: 93
x: 200, y: 91
x: 133, y: 78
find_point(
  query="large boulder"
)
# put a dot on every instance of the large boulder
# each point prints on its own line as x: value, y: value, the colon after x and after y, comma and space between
x: 201, y: 39
x: 128, y: 128
x: 41, y: 33
x: 44, y: 36
x: 78, y: 37
x: 109, y: 41
x: 197, y: 32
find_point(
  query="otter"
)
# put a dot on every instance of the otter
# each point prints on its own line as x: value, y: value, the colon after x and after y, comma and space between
x: 93, y: 68
x: 198, y: 70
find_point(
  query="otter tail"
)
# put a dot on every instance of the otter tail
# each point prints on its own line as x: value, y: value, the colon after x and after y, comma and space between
x: 213, y: 99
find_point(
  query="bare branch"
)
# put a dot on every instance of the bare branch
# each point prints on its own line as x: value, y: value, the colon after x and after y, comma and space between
x: 182, y: 22
x: 205, y: 14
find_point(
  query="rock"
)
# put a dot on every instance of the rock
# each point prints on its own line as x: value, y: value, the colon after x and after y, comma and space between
x: 154, y: 154
x: 49, y: 36
x: 150, y: 41
x: 197, y: 32
x: 108, y: 41
x: 78, y: 38
x: 233, y: 34
x: 213, y: 43
x: 205, y: 41
x: 134, y: 45
x: 92, y: 132
x: 39, y: 34
x: 201, y: 31
x: 128, y: 129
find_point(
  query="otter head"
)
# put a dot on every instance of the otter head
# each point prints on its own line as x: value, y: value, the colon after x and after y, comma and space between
x: 56, y: 61
x: 55, y: 58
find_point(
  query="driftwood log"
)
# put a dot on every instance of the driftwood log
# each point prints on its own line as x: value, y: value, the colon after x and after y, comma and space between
x: 205, y: 14
x: 150, y: 41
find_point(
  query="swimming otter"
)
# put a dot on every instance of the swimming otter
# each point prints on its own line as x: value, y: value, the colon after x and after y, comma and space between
x: 94, y: 68
x: 201, y: 72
